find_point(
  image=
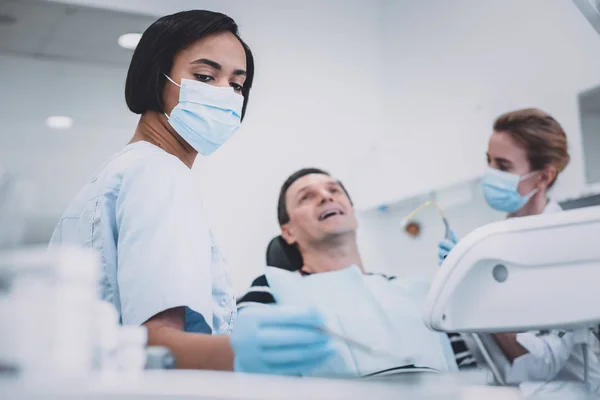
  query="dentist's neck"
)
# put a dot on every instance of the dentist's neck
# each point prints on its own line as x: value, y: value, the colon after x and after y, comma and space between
x: 534, y: 206
x: 154, y: 128
x: 333, y: 255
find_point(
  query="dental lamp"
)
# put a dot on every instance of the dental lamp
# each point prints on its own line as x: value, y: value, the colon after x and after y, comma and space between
x: 531, y: 273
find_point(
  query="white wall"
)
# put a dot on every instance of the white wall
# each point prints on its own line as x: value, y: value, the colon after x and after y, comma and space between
x: 400, y: 254
x: 341, y: 84
x: 451, y: 67
x: 316, y: 101
x: 54, y: 164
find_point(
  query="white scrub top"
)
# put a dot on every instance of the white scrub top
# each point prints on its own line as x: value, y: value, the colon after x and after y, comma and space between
x: 552, y: 355
x: 143, y: 214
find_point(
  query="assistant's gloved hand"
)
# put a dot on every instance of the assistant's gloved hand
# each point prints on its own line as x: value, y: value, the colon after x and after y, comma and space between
x: 445, y: 246
x: 279, y: 340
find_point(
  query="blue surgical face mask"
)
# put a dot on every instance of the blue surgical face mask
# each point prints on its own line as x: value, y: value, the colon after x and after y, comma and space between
x: 501, y: 190
x: 206, y: 116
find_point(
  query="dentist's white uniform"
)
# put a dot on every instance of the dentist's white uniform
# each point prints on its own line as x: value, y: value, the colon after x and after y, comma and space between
x: 553, y: 355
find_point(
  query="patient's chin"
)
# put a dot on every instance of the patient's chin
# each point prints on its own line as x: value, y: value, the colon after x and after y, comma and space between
x: 337, y: 231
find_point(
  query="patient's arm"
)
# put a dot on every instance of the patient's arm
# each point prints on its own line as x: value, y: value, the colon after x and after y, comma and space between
x: 509, y: 345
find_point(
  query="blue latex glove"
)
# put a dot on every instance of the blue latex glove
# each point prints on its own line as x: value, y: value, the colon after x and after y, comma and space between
x: 445, y: 246
x: 279, y: 340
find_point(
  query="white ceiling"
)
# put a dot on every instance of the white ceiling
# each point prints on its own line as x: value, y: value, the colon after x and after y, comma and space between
x: 66, y: 32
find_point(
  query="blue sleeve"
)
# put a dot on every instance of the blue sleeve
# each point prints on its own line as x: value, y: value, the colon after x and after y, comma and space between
x: 163, y: 243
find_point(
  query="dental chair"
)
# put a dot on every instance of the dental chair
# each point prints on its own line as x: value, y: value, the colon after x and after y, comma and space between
x: 282, y: 255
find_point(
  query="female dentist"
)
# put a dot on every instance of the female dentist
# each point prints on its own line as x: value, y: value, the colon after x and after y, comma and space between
x: 526, y: 152
x: 190, y: 78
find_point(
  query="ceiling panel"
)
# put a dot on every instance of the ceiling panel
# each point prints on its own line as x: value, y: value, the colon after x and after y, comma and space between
x: 91, y: 34
x: 33, y: 23
x: 61, y: 31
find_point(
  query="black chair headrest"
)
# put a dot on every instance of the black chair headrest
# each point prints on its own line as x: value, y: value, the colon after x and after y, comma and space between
x: 282, y: 255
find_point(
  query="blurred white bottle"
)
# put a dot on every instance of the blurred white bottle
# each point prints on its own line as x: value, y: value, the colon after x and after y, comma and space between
x: 47, y: 311
x: 106, y: 338
x: 131, y: 352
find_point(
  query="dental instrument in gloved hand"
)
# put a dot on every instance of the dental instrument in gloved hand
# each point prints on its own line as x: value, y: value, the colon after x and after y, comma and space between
x: 279, y: 340
x: 445, y: 246
x: 423, y: 206
x: 450, y: 238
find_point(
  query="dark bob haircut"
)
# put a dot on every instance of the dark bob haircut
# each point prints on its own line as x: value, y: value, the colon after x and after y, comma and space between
x: 282, y: 215
x: 156, y: 51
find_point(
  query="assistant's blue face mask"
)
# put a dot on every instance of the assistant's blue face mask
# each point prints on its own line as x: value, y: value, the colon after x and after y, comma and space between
x: 501, y: 190
x: 206, y: 116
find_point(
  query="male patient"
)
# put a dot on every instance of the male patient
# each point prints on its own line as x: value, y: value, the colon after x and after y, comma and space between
x: 317, y: 217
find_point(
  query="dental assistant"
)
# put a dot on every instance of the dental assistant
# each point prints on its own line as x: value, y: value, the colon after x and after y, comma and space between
x: 526, y: 153
x: 189, y: 79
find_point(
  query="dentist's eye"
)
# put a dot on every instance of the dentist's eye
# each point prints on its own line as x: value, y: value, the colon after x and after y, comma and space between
x: 203, y: 78
x: 504, y: 167
x: 236, y: 87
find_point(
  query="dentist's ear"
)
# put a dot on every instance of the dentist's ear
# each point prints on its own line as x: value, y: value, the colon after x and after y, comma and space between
x: 547, y: 177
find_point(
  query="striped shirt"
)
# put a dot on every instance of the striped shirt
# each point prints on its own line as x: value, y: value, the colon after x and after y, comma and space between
x: 260, y: 294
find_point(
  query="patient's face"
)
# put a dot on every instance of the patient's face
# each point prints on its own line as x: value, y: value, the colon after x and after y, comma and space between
x: 507, y: 155
x: 319, y: 209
